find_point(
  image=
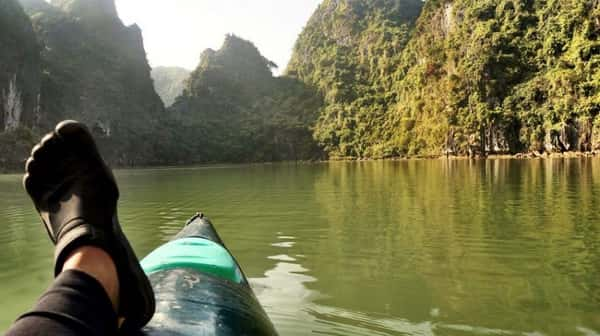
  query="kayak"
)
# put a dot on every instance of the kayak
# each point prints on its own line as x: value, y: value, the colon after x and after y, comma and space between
x: 200, y: 288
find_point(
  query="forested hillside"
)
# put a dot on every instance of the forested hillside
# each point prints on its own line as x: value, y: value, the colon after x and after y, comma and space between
x: 233, y: 109
x: 470, y: 77
x: 351, y: 50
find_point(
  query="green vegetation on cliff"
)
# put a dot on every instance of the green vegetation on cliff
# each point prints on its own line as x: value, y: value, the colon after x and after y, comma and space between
x: 94, y: 69
x: 351, y: 50
x: 500, y: 76
x: 234, y: 110
x: 468, y: 77
x: 367, y: 79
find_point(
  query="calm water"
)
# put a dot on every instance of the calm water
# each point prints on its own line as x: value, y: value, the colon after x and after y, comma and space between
x: 498, y: 247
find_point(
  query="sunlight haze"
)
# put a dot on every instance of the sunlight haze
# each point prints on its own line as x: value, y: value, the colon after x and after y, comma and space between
x: 177, y: 31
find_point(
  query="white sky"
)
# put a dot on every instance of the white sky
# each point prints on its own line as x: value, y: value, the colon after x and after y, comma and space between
x: 177, y: 31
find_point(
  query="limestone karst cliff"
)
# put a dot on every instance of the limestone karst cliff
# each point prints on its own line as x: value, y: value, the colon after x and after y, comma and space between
x: 19, y: 68
x: 235, y: 110
x: 456, y: 77
x: 94, y: 69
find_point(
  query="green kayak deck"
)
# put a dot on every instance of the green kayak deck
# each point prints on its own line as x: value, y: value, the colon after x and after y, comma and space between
x: 194, y: 253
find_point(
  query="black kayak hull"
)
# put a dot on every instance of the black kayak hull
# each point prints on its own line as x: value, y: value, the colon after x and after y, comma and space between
x: 190, y: 301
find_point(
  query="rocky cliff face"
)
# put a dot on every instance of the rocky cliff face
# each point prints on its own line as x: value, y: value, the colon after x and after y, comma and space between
x: 469, y: 77
x: 19, y: 68
x: 169, y: 82
x: 95, y: 70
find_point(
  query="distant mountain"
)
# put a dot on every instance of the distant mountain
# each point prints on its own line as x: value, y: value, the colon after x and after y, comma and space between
x: 235, y: 110
x: 95, y: 70
x: 169, y: 82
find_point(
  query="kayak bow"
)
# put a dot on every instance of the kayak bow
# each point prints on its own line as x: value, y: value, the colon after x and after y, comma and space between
x: 200, y: 288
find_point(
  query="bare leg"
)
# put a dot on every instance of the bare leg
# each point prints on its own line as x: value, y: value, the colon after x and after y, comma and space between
x: 99, y: 281
x: 76, y: 196
x: 98, y: 264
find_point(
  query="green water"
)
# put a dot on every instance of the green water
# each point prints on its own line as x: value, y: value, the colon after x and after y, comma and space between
x: 497, y: 247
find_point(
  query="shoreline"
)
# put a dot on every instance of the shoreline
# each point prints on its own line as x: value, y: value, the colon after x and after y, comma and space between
x: 518, y: 156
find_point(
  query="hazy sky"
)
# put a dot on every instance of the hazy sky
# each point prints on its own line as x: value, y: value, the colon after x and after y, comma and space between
x: 177, y: 31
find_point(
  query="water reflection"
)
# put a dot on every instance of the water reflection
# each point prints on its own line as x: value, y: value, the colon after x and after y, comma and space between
x: 496, y: 243
x: 295, y: 310
x: 437, y: 247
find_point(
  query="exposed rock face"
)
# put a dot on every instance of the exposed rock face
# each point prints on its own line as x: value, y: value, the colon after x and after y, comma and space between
x: 19, y: 68
x: 95, y: 70
x: 169, y: 82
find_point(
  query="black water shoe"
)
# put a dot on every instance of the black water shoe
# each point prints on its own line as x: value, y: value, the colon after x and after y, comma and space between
x: 76, y: 196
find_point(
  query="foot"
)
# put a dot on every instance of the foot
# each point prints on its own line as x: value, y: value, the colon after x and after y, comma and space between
x: 76, y: 196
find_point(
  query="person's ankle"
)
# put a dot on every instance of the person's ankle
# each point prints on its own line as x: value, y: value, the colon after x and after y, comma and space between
x: 98, y: 264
